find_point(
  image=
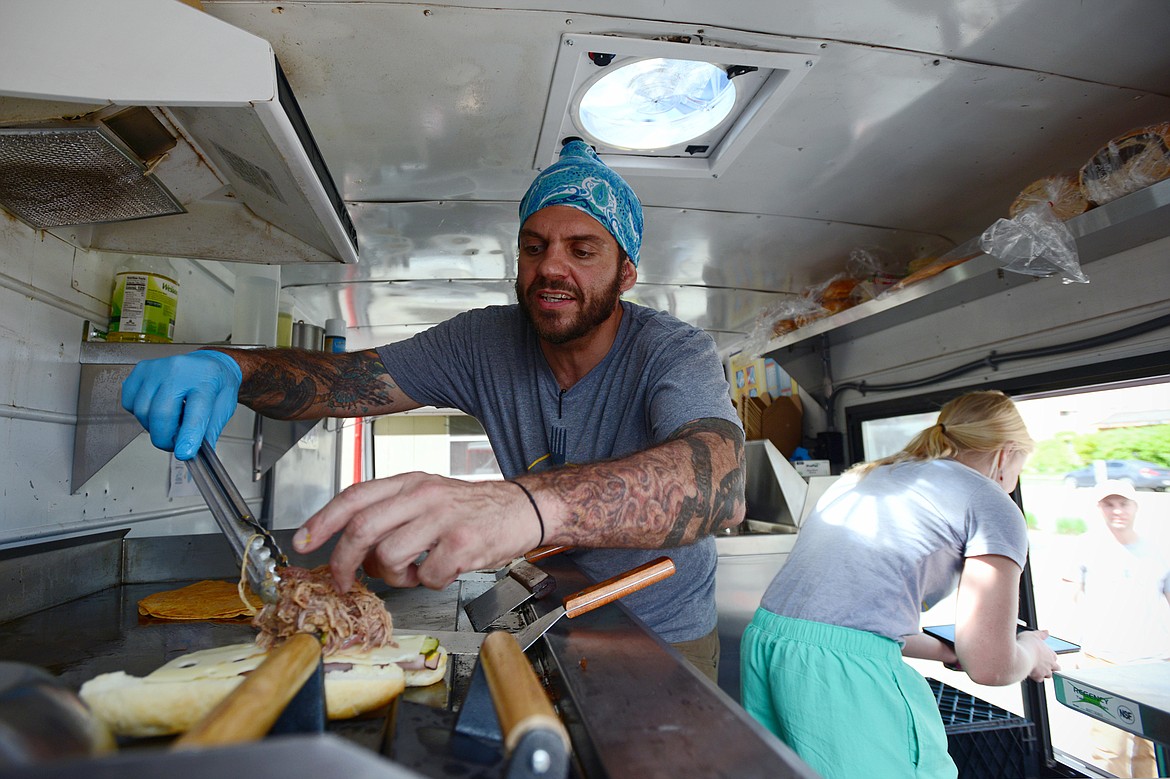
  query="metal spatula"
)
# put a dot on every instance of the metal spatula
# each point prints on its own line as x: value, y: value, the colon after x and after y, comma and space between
x: 522, y: 581
x: 591, y: 598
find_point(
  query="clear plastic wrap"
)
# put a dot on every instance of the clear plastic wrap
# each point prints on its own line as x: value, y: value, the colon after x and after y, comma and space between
x: 1035, y: 243
x: 783, y: 316
x: 925, y: 267
x: 1128, y: 163
x: 836, y: 294
x: 873, y: 274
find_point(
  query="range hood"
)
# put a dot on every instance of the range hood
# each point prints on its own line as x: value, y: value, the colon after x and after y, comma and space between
x: 150, y: 127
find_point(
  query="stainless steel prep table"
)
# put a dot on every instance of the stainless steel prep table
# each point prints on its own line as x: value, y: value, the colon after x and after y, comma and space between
x: 633, y: 706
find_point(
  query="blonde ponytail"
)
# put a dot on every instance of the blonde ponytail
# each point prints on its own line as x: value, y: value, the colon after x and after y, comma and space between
x: 978, y: 422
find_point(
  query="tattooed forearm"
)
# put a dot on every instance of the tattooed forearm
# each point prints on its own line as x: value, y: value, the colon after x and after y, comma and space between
x: 669, y: 495
x: 300, y: 384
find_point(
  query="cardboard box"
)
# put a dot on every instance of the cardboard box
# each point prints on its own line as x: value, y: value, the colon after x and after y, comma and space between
x: 808, y: 468
x: 780, y: 423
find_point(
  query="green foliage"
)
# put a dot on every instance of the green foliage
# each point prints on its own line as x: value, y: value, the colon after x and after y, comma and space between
x: 1030, y: 521
x: 1131, y: 443
x: 1053, y: 457
x: 1068, y: 451
x: 1070, y: 526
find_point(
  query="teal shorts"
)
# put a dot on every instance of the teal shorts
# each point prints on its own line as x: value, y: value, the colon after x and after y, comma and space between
x: 843, y: 699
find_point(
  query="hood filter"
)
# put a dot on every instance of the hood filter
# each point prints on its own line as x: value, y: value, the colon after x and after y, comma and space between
x: 60, y: 176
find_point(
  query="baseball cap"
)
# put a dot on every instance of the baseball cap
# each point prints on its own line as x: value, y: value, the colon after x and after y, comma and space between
x: 1113, y: 487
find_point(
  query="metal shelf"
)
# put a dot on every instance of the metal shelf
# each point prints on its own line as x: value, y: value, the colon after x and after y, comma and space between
x: 104, y: 428
x: 1134, y: 220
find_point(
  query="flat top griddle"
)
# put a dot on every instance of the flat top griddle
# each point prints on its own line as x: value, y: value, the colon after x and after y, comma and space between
x: 633, y: 707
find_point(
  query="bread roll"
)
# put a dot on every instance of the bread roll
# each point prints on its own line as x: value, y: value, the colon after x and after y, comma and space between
x: 1061, y: 192
x: 174, y: 697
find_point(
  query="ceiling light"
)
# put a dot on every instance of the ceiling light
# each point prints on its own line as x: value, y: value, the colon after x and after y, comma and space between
x: 656, y: 103
x: 665, y: 107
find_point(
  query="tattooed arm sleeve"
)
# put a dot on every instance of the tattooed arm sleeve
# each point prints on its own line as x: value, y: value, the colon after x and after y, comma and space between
x: 672, y: 494
x: 301, y: 384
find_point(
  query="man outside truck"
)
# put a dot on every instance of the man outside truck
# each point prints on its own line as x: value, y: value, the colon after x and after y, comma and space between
x: 1122, y: 592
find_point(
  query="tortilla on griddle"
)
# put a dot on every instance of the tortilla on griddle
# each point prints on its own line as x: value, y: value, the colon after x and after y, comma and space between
x: 207, y: 599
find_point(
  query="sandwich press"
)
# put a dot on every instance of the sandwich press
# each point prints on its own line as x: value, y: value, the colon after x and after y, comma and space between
x: 255, y: 548
x: 522, y: 581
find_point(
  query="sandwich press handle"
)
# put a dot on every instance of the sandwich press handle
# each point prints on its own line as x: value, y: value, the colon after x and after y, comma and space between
x: 521, y: 704
x: 250, y: 710
x: 618, y: 586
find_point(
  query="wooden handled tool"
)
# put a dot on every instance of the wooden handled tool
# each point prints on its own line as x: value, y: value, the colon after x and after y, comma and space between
x: 520, y: 702
x: 251, y: 709
x: 541, y: 552
x: 598, y: 595
x: 610, y: 590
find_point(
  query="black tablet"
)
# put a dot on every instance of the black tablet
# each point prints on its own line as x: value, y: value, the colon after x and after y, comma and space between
x: 947, y: 633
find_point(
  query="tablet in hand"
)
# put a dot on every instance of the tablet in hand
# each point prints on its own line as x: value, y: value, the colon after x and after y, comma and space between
x: 946, y: 634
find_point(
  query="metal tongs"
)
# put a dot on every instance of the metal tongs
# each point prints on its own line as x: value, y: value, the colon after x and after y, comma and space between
x: 255, y: 548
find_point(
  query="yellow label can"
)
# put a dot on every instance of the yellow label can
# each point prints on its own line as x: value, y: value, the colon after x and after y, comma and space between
x: 143, y: 308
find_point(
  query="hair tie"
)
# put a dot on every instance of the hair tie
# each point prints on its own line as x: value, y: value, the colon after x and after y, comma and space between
x: 942, y: 428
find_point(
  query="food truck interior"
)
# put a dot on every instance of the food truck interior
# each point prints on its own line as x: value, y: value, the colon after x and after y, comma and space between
x: 870, y: 206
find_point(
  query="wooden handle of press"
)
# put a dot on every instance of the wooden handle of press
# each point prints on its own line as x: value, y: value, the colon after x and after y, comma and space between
x: 618, y: 586
x: 541, y: 552
x: 520, y: 702
x: 250, y: 710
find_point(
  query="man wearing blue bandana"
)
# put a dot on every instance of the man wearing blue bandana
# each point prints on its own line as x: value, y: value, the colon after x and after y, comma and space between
x: 611, y: 421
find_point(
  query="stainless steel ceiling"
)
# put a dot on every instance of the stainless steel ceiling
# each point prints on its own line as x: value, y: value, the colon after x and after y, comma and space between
x: 919, y: 123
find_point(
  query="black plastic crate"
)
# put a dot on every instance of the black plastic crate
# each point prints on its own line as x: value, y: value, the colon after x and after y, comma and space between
x: 985, y: 741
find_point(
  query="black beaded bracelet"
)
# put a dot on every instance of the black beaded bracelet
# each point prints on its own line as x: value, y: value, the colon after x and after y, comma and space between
x: 535, y: 508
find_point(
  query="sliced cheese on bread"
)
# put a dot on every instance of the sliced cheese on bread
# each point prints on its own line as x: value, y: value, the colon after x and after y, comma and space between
x: 175, y: 696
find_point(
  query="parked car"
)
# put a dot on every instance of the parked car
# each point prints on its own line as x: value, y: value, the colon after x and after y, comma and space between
x: 1141, y: 474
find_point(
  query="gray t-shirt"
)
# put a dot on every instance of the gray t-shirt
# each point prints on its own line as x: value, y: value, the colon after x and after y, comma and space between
x: 659, y: 374
x: 879, y: 550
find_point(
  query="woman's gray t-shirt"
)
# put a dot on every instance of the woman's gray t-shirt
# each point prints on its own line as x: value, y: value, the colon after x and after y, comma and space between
x: 660, y: 374
x: 879, y: 550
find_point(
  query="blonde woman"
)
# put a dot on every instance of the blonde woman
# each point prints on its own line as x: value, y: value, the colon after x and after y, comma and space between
x: 822, y: 659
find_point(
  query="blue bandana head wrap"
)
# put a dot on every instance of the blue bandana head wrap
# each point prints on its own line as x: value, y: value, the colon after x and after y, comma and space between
x: 580, y: 180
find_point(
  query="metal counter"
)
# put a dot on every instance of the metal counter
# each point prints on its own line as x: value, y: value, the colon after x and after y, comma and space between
x: 633, y: 706
x: 746, y: 565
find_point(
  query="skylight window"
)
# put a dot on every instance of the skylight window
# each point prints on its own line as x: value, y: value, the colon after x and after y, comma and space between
x: 656, y: 103
x: 677, y: 107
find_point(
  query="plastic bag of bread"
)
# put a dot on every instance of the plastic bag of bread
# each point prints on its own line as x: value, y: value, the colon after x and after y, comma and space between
x: 869, y: 268
x: 1034, y: 243
x: 925, y: 267
x: 780, y: 318
x: 1128, y: 163
x: 1062, y: 193
x: 836, y: 294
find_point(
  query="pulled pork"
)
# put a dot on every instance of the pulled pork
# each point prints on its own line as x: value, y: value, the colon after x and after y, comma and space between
x: 310, y: 603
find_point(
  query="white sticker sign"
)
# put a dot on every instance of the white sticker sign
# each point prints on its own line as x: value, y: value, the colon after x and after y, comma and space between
x: 1102, y: 705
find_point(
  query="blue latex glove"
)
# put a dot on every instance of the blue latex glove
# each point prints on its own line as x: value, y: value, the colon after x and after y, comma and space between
x: 183, y: 400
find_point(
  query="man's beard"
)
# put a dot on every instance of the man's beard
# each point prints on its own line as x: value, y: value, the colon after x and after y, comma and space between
x: 553, y: 329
